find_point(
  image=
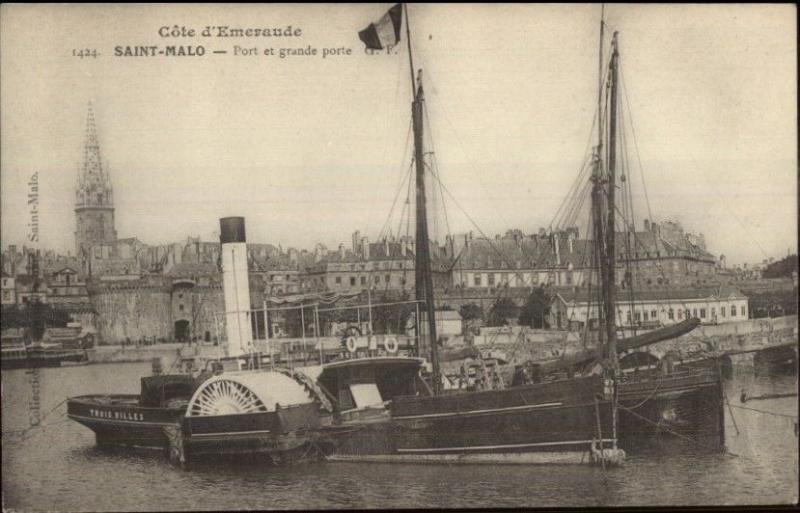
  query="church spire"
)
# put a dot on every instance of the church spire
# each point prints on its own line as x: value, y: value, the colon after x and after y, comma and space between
x: 94, y: 184
x: 94, y: 196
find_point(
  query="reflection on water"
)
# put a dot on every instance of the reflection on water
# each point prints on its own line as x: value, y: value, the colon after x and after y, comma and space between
x: 58, y: 467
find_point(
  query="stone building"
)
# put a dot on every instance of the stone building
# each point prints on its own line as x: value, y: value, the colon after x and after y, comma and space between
x: 382, y: 267
x: 648, y: 258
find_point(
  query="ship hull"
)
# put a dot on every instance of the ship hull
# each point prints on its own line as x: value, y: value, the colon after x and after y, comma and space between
x: 546, y: 423
x: 41, y: 359
x: 780, y: 360
x: 685, y: 405
x: 282, y: 436
x: 118, y: 420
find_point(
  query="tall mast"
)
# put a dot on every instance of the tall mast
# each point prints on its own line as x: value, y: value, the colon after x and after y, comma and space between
x: 600, y: 82
x: 422, y: 266
x: 597, y: 190
x: 610, y: 295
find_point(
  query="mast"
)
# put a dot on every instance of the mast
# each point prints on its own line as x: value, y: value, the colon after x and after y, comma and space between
x: 597, y: 192
x: 610, y: 295
x: 423, y: 281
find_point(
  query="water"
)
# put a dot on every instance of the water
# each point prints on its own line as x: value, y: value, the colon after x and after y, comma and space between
x: 58, y: 468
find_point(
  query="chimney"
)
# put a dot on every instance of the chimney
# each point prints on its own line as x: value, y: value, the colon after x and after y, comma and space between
x: 570, y: 239
x: 556, y: 248
x: 365, y: 248
x: 386, y: 246
x: 235, y: 285
x: 646, y: 225
x: 341, y: 251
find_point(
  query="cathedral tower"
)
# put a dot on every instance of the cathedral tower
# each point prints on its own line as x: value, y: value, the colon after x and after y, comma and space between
x: 94, y: 198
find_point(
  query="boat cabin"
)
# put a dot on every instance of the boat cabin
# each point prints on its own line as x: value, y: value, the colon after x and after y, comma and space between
x: 359, y: 385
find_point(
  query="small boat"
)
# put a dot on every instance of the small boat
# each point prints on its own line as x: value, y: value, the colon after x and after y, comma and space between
x: 36, y: 355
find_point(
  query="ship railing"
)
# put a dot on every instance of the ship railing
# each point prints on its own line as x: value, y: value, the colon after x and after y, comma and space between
x: 349, y: 327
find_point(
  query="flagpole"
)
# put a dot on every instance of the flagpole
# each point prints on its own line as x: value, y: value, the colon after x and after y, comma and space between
x: 410, y: 54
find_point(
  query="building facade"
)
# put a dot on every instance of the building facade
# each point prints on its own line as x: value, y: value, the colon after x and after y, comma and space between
x: 573, y: 309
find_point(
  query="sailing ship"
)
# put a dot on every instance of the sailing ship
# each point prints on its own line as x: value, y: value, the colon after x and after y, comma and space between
x: 384, y: 412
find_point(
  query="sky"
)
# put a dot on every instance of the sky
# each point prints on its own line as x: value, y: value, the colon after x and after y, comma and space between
x: 310, y: 149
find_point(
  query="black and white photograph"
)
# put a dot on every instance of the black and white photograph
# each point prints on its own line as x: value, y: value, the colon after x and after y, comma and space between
x: 392, y: 256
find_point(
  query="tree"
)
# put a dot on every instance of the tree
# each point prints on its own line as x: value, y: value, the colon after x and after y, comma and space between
x: 782, y: 268
x: 470, y: 312
x: 536, y: 309
x: 503, y: 309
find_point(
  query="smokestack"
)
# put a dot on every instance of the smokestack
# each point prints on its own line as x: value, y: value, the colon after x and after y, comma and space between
x: 555, y: 247
x: 365, y: 248
x: 236, y: 286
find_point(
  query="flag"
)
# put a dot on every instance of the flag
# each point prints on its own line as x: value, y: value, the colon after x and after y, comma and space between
x: 386, y: 32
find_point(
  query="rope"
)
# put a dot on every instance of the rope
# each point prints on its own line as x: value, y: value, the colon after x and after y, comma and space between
x: 653, y: 393
x: 40, y: 424
x: 793, y: 417
x: 679, y: 435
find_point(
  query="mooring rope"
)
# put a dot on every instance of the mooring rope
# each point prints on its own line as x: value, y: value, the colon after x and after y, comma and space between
x: 793, y: 417
x: 679, y: 435
x: 40, y: 424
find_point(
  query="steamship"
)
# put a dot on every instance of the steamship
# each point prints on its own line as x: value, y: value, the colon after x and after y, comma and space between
x: 232, y: 406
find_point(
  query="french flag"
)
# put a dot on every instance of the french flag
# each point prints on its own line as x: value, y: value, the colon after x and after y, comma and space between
x: 386, y: 32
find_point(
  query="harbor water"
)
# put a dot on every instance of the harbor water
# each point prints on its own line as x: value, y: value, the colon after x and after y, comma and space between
x: 57, y: 467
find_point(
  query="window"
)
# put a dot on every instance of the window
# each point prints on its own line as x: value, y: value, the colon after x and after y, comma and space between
x: 338, y: 280
x: 653, y: 314
x: 491, y: 279
x: 694, y: 312
x: 741, y: 310
x: 702, y: 313
x: 638, y: 316
x: 688, y: 314
x: 363, y: 280
x: 645, y: 315
x: 733, y: 311
x: 671, y: 314
x: 628, y: 316
x: 180, y: 307
x: 722, y: 311
x: 569, y: 278
x: 387, y: 278
x: 477, y: 280
x: 377, y: 279
x: 352, y: 280
x: 713, y: 312
x: 680, y: 314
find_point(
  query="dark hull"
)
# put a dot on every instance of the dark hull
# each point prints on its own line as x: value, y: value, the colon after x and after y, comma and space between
x: 119, y: 420
x: 547, y: 423
x: 35, y: 360
x: 281, y: 435
x: 685, y: 405
x: 776, y: 360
